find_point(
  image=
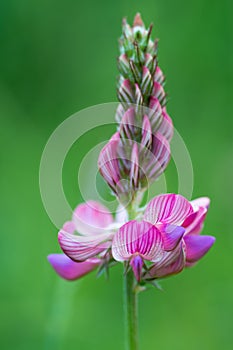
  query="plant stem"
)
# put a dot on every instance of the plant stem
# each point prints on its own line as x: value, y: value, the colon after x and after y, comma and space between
x: 131, y: 311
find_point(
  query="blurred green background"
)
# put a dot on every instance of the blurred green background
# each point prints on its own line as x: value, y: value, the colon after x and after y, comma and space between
x: 58, y: 57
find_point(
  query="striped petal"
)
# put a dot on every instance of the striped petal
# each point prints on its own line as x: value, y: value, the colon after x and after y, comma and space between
x: 91, y: 218
x: 150, y: 62
x: 134, y: 170
x: 135, y: 71
x: 167, y: 268
x: 168, y: 209
x: 80, y: 248
x: 166, y: 126
x: 146, y: 132
x: 197, y: 246
x: 70, y: 270
x: 123, y: 65
x: 159, y: 119
x: 137, y: 238
x: 108, y: 162
x: 153, y: 161
x: 155, y: 113
x: 138, y: 96
x: 119, y: 113
x: 194, y: 223
x: 158, y: 76
x: 128, y: 124
x: 158, y: 92
x: 147, y: 81
x: 125, y: 92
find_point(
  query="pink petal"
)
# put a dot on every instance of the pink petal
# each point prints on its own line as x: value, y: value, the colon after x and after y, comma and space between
x: 197, y: 246
x: 153, y: 161
x: 194, y: 223
x: 127, y: 124
x: 146, y: 132
x: 69, y: 227
x: 155, y: 113
x: 119, y: 113
x: 166, y: 270
x: 108, y: 162
x: 138, y: 96
x: 168, y: 208
x: 158, y: 76
x: 203, y: 202
x: 146, y: 83
x: 150, y: 62
x: 91, y: 218
x: 159, y: 119
x: 123, y: 64
x: 158, y: 92
x: 170, y: 256
x: 166, y: 127
x: 70, y: 270
x: 172, y: 235
x: 137, y: 238
x: 134, y: 170
x: 125, y: 92
x: 80, y: 248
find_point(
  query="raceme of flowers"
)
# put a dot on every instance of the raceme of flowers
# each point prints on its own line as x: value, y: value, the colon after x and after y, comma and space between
x: 164, y: 237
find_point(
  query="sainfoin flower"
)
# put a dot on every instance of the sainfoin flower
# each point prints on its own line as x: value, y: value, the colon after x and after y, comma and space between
x: 166, y: 237
x: 160, y: 239
x: 162, y: 243
x: 86, y: 240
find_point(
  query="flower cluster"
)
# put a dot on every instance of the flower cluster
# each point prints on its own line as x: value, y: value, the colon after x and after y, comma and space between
x: 164, y: 237
x: 162, y: 243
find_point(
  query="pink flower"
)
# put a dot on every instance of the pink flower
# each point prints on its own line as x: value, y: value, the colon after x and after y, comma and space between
x: 168, y: 237
x: 86, y: 250
x: 162, y: 244
x: 138, y: 242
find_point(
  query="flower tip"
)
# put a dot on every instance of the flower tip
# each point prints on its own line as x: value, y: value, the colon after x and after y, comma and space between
x: 197, y: 246
x: 69, y: 269
x: 138, y: 21
x: 212, y: 240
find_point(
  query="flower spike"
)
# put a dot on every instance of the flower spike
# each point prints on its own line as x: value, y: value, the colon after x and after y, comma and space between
x: 162, y: 238
x: 141, y: 115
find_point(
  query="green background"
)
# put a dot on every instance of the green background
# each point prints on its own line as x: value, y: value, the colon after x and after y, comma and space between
x: 58, y: 57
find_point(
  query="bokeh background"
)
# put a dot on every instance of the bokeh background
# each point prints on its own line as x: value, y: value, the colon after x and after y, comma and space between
x: 58, y: 57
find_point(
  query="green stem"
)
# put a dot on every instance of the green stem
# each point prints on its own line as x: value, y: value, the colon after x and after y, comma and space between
x: 131, y: 312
